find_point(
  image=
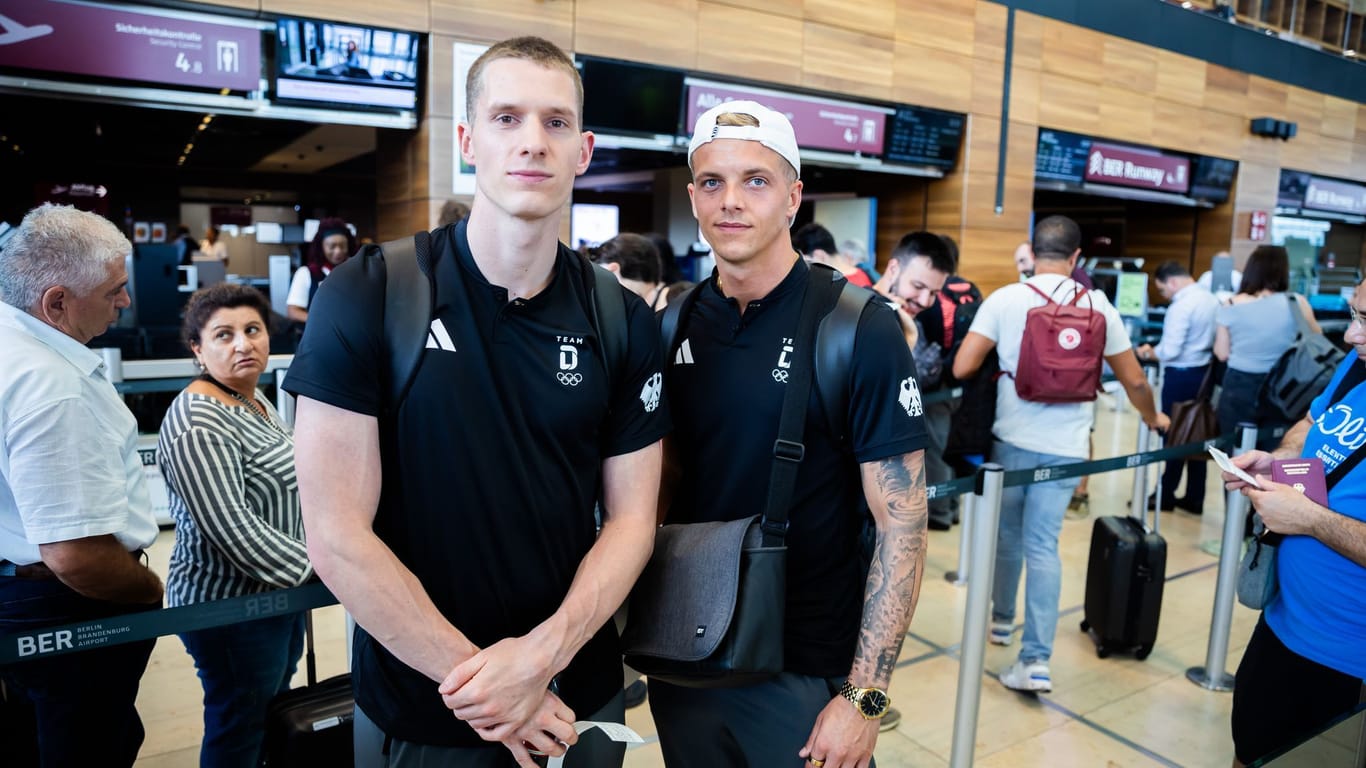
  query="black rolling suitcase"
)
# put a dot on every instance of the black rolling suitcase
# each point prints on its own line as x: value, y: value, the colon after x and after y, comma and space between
x: 1124, y: 578
x: 311, y: 725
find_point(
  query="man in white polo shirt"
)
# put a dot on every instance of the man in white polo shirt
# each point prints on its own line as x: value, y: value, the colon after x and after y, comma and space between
x: 74, y: 508
x: 1030, y: 434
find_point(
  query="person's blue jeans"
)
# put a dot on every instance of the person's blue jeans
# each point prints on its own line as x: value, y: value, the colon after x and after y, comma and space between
x: 1031, y: 521
x: 1180, y: 384
x: 242, y: 667
x: 83, y: 701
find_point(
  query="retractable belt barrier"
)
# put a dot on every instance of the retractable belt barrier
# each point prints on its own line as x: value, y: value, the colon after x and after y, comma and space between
x: 115, y: 630
x: 47, y: 642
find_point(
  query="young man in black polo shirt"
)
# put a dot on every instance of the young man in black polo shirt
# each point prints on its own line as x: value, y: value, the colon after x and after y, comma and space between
x: 843, y: 630
x: 481, y: 591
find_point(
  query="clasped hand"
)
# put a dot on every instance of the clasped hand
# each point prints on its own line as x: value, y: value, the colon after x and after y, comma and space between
x: 501, y: 692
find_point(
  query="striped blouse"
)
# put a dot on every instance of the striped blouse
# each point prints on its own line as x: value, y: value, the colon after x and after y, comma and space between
x: 234, y: 498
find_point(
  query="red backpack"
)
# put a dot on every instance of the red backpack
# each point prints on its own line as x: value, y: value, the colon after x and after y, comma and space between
x: 1061, y: 351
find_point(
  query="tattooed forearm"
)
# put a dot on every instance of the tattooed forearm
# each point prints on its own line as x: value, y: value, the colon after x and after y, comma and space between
x: 895, y: 489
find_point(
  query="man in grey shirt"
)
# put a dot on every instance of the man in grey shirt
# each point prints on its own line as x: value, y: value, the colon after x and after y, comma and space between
x: 1184, y: 351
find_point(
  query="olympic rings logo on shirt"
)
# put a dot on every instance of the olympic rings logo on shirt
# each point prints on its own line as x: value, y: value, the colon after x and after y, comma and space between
x: 569, y: 379
x: 780, y: 375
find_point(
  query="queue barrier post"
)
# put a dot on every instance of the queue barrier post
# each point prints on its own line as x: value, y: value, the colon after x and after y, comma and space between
x: 1212, y: 676
x: 987, y: 507
x: 284, y: 402
x: 966, y: 526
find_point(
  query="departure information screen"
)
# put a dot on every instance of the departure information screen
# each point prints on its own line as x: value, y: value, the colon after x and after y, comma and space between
x: 1061, y: 156
x: 918, y: 136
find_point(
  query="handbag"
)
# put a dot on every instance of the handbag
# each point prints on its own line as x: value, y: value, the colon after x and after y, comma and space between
x: 1195, y: 421
x: 1300, y: 374
x: 708, y: 610
x: 1257, y: 584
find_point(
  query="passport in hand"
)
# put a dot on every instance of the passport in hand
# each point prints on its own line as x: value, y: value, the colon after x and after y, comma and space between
x: 1304, y: 475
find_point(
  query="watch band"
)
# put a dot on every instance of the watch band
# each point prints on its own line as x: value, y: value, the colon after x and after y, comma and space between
x: 856, y: 696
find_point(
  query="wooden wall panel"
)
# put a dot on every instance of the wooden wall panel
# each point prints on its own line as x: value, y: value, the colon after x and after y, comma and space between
x: 753, y: 44
x: 900, y: 210
x: 403, y: 14
x: 1181, y: 78
x: 1215, y: 234
x: 1339, y: 118
x: 873, y: 17
x: 1306, y: 108
x: 1068, y: 104
x: 989, y: 39
x: 1073, y: 52
x: 1127, y: 115
x: 440, y: 76
x: 1130, y: 66
x: 492, y: 20
x: 1265, y: 98
x: 1028, y: 49
x: 1220, y: 134
x: 842, y: 61
x: 247, y: 5
x: 945, y: 25
x: 988, y: 256
x: 789, y: 8
x: 1174, y: 124
x: 652, y: 31
x: 987, y: 86
x: 1024, y: 94
x: 931, y: 78
x: 1226, y: 90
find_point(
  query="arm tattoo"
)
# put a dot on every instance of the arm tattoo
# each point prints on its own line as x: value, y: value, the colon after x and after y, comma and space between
x: 896, y: 488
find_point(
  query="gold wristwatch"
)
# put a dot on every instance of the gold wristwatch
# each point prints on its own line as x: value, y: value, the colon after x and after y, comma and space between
x: 871, y: 703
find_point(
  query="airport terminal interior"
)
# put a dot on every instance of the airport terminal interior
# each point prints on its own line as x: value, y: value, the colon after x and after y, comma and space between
x: 1193, y: 132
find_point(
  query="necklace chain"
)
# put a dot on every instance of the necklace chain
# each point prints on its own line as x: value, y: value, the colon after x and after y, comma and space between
x: 251, y: 404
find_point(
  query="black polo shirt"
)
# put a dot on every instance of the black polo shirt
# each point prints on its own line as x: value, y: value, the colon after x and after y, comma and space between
x: 492, y: 464
x: 725, y: 385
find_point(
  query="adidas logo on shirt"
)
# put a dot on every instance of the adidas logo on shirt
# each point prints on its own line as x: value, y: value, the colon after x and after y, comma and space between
x: 684, y: 356
x: 437, y: 338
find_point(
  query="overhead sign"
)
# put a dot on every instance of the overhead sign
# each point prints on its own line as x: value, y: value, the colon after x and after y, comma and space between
x: 827, y: 124
x: 1132, y: 167
x: 130, y: 45
x: 1336, y: 196
x: 919, y: 136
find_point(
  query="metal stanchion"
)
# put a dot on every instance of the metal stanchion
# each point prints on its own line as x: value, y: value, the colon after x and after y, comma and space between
x: 1212, y: 676
x: 966, y: 526
x: 284, y: 402
x: 974, y: 646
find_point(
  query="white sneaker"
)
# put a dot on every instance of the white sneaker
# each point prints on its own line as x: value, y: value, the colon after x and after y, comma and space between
x: 1001, y: 633
x: 1033, y: 676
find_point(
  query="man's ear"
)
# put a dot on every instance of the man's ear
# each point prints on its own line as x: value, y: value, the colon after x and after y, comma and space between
x: 52, y: 304
x: 611, y: 266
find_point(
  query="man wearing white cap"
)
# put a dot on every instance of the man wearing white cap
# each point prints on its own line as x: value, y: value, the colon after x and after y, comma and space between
x: 844, y: 619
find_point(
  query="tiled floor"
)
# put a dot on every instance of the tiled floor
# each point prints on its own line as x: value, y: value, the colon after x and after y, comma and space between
x: 1112, y: 712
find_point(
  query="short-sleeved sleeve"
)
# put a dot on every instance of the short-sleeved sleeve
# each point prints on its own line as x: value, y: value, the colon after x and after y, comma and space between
x: 987, y: 321
x: 886, y: 407
x: 341, y: 358
x: 639, y: 413
x: 298, y: 288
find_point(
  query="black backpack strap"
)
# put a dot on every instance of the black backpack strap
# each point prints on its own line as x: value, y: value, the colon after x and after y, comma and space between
x: 835, y: 351
x: 608, y: 308
x: 788, y: 449
x: 409, y: 297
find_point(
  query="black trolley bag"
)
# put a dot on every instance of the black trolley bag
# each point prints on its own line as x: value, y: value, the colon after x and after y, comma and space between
x: 311, y: 725
x: 1124, y: 578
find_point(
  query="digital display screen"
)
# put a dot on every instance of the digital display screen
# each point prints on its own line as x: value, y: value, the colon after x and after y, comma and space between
x: 1293, y: 186
x: 1212, y: 178
x: 1061, y: 156
x: 346, y: 64
x: 630, y: 98
x: 918, y: 136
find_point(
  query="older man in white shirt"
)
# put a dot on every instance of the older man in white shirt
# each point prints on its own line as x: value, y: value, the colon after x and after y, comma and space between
x: 74, y: 509
x: 1184, y: 351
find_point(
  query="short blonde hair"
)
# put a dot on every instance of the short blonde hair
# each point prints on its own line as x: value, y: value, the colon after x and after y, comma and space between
x: 536, y: 50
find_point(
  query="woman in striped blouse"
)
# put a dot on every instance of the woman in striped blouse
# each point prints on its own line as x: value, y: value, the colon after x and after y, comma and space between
x: 229, y: 467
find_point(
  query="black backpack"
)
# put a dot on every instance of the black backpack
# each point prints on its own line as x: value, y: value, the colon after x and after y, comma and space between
x: 406, y: 267
x: 833, y: 349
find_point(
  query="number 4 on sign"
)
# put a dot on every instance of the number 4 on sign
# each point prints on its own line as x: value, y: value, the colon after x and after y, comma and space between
x: 182, y: 63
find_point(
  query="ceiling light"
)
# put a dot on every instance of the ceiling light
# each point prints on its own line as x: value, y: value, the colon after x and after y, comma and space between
x: 1351, y: 53
x: 202, y: 126
x: 207, y: 119
x: 1186, y: 5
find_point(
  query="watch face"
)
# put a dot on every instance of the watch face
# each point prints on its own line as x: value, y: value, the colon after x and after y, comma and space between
x: 873, y: 703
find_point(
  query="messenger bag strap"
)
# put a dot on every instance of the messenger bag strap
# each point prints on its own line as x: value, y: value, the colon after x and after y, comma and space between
x: 788, y: 449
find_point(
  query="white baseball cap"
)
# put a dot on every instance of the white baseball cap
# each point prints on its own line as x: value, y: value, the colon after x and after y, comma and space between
x: 773, y: 131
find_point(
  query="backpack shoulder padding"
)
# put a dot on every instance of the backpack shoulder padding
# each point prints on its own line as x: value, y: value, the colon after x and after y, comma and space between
x: 405, y: 265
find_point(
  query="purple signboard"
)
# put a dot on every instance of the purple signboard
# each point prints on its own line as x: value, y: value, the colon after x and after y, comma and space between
x: 129, y: 45
x: 1338, y: 196
x: 1133, y: 167
x: 837, y: 126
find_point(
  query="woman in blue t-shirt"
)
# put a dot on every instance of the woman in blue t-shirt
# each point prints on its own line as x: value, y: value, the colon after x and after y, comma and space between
x: 1304, y: 665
